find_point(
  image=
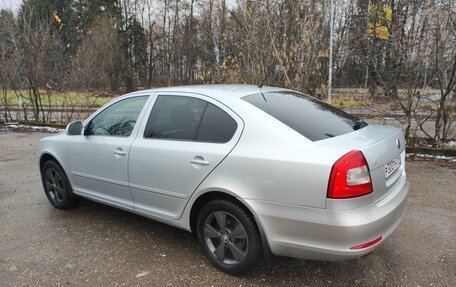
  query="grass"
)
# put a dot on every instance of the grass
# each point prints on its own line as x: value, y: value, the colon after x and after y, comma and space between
x: 342, y: 98
x: 350, y: 92
x: 350, y: 102
x: 58, y: 98
x: 350, y: 98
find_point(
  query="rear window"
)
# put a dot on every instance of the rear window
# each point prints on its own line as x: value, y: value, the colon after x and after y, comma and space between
x: 312, y: 118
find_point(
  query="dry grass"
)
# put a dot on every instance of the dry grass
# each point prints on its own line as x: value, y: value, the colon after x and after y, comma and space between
x: 345, y: 98
x: 350, y: 98
x: 58, y: 98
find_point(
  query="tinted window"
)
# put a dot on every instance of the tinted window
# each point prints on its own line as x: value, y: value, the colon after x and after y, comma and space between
x: 313, y: 119
x: 119, y: 119
x: 216, y: 126
x: 175, y: 117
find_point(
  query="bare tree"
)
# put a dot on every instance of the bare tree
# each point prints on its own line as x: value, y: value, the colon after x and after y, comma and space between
x: 39, y: 58
x: 8, y: 71
x: 98, y: 62
x: 444, y: 30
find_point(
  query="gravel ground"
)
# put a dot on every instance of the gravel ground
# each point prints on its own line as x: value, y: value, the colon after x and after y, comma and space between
x: 96, y: 245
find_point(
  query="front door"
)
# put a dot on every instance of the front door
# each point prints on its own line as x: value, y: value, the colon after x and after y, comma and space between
x: 184, y: 138
x: 99, y: 158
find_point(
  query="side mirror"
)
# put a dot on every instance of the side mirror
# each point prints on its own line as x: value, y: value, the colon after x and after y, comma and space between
x: 74, y: 128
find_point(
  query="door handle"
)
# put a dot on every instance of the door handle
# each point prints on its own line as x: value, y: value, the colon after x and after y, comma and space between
x: 199, y: 160
x: 120, y: 152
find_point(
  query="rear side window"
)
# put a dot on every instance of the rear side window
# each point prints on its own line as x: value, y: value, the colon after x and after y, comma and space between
x: 216, y: 126
x: 190, y: 119
x: 175, y: 117
x: 312, y: 118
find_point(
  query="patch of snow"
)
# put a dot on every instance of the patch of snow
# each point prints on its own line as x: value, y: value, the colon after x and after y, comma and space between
x: 142, y: 274
x: 15, y: 126
x: 441, y: 157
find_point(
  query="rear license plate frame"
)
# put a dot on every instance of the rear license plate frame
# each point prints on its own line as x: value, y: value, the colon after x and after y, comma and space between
x: 392, y: 166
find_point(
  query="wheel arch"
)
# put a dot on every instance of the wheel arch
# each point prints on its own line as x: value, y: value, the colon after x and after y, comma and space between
x: 202, y: 199
x: 46, y: 156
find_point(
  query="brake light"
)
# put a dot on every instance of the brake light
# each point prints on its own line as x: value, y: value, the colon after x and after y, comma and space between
x: 350, y: 177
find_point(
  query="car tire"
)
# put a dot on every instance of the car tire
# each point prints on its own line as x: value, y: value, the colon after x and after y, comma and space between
x: 57, y: 186
x: 235, y: 250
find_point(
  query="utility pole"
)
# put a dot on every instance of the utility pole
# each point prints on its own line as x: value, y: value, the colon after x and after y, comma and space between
x: 331, y: 24
x: 367, y: 64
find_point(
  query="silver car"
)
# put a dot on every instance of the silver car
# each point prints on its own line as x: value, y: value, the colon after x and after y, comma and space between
x: 250, y: 171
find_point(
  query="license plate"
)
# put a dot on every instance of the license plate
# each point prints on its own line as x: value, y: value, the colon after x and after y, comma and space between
x: 392, y: 166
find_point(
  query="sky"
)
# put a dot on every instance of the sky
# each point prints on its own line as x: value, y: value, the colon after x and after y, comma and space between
x: 15, y: 4
x: 10, y: 4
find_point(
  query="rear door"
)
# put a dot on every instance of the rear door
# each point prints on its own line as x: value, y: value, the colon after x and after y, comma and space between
x: 182, y: 139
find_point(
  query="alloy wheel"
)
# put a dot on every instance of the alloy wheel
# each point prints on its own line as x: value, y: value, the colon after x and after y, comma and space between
x: 226, y: 237
x: 54, y: 185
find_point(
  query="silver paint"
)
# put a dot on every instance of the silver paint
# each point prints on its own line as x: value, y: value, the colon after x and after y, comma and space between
x: 278, y: 174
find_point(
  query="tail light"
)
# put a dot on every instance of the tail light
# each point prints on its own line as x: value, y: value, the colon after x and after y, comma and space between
x: 350, y: 177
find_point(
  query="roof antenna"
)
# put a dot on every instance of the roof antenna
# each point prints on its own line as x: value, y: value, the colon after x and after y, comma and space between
x: 273, y: 67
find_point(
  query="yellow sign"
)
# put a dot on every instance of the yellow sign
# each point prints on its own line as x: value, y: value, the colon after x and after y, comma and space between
x: 379, y: 21
x: 57, y: 19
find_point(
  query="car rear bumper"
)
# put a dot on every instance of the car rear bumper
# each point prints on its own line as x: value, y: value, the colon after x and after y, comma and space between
x: 323, y: 234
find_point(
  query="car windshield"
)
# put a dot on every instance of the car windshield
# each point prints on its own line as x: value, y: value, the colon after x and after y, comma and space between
x: 310, y: 117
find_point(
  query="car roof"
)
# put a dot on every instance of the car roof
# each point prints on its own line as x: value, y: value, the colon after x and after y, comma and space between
x: 218, y: 91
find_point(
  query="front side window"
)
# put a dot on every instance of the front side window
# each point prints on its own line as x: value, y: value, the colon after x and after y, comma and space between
x: 119, y: 119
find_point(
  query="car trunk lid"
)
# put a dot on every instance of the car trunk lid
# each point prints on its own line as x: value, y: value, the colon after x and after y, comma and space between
x: 384, y: 150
